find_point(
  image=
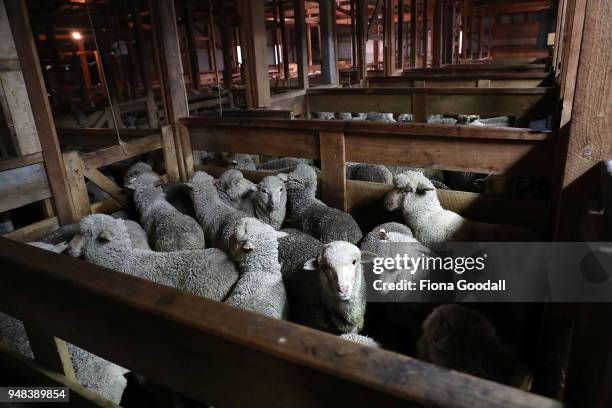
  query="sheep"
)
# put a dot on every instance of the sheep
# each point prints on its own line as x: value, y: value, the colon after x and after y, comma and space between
x: 432, y: 174
x: 234, y: 189
x: 269, y: 201
x: 360, y: 339
x: 295, y: 249
x: 143, y: 172
x: 380, y: 117
x: 205, y: 272
x: 343, y: 116
x: 212, y: 213
x: 462, y: 339
x: 441, y: 120
x: 416, y: 196
x: 312, y: 215
x: 254, y: 246
x: 168, y: 228
x: 282, y: 164
x: 238, y: 161
x: 329, y: 293
x: 464, y: 181
x: 405, y: 118
x: 501, y: 121
x: 324, y: 115
x: 374, y: 173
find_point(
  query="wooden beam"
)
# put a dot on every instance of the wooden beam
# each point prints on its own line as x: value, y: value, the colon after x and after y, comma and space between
x: 169, y: 150
x: 178, y: 105
x: 284, y: 40
x: 400, y: 34
x: 106, y: 185
x: 23, y: 185
x: 438, y: 38
x: 192, y: 49
x: 362, y: 20
x: 414, y: 19
x: 104, y: 157
x: 254, y: 52
x: 333, y: 172
x: 35, y: 231
x: 301, y: 45
x: 327, y: 16
x: 43, y: 117
x: 50, y: 351
x: 75, y: 170
x: 210, y: 342
x: 22, y: 161
x: 212, y: 43
x: 389, y: 37
x: 424, y: 36
x: 227, y: 47
x: 145, y: 65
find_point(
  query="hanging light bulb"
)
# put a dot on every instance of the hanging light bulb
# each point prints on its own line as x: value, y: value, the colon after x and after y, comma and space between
x: 76, y: 35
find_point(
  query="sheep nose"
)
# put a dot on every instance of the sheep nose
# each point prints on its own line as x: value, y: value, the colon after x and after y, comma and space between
x: 343, y: 288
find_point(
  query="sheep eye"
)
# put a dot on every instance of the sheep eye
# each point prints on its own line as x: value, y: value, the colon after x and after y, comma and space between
x: 354, y: 261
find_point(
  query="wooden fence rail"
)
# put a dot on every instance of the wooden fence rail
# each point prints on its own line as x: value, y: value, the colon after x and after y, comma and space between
x: 208, y: 350
x: 462, y: 80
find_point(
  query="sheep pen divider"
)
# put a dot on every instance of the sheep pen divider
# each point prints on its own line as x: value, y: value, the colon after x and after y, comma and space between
x: 462, y: 80
x: 462, y: 148
x: 186, y: 342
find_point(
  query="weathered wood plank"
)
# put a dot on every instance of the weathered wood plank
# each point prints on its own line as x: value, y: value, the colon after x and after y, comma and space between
x: 272, y: 358
x: 169, y: 150
x: 35, y: 231
x: 75, y: 172
x: 104, y: 157
x: 106, y: 184
x: 22, y: 186
x: 22, y: 161
x: 333, y: 173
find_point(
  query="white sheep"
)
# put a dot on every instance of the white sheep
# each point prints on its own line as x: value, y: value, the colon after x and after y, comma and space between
x: 269, y: 201
x: 324, y: 115
x: 360, y: 339
x: 343, y: 116
x: 205, y: 272
x: 168, y: 229
x: 143, y: 172
x: 380, y: 117
x: 238, y: 161
x: 416, y: 196
x: 313, y: 216
x: 285, y: 164
x: 254, y: 246
x: 329, y: 292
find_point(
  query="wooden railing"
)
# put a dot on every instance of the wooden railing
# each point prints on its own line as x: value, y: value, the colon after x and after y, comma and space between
x: 213, y: 352
x: 462, y: 80
x: 422, y: 102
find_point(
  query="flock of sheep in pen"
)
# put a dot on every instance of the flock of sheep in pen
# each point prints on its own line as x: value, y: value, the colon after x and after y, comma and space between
x: 276, y: 249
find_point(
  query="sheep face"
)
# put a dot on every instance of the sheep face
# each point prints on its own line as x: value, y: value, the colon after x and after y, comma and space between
x: 250, y: 234
x: 271, y: 193
x: 137, y: 169
x: 233, y: 183
x: 412, y: 190
x: 339, y: 266
x: 201, y: 177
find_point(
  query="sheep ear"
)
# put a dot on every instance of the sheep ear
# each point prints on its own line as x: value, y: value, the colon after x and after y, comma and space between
x: 311, y: 265
x: 189, y: 185
x: 367, y: 257
x: 281, y: 234
x: 249, y: 245
x: 283, y: 176
x: 423, y: 187
x: 382, y: 234
x: 131, y: 184
x: 253, y: 188
x: 105, y: 235
x: 233, y: 162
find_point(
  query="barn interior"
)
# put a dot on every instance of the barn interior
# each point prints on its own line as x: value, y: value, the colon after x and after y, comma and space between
x: 500, y: 109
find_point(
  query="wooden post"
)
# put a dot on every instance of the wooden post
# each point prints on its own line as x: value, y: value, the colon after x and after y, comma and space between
x: 400, y: 34
x: 284, y: 41
x: 212, y: 41
x: 438, y: 33
x: 227, y: 47
x: 481, y: 32
x: 169, y: 150
x: 327, y: 15
x: 301, y: 45
x: 192, y: 49
x: 424, y: 36
x: 175, y: 84
x: 333, y: 173
x: 43, y: 118
x: 254, y: 53
x: 362, y: 17
x: 414, y: 19
x: 146, y: 67
x: 389, y: 37
x: 75, y: 173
